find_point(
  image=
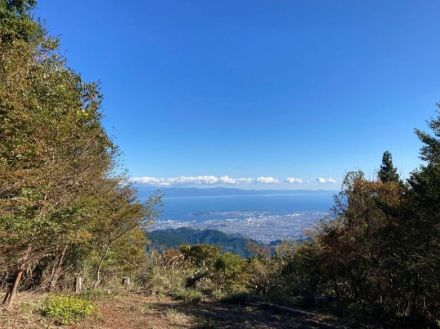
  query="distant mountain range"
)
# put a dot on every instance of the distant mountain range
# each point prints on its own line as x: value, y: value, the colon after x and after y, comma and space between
x: 172, y: 238
x: 145, y: 190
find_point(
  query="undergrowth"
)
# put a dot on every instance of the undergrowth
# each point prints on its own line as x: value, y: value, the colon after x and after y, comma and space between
x: 67, y: 309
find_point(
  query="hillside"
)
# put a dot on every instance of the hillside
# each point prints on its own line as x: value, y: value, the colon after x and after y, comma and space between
x: 171, y: 238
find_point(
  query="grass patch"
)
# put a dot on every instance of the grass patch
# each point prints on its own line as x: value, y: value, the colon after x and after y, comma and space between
x: 28, y: 307
x: 67, y: 309
x: 177, y: 317
x: 139, y: 308
x: 96, y: 294
x: 190, y: 295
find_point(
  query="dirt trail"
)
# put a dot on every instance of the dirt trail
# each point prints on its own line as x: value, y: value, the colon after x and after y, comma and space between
x: 137, y: 311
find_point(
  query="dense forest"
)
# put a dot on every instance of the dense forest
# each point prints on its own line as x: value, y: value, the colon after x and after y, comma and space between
x: 67, y: 210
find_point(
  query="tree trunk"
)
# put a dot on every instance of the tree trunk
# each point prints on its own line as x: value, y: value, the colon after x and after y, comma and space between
x: 12, y: 291
x: 57, y: 269
x: 98, y: 270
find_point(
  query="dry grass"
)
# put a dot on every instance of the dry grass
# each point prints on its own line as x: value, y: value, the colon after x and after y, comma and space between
x: 25, y: 313
x: 178, y: 318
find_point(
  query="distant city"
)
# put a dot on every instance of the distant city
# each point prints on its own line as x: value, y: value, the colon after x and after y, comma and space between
x: 262, y: 215
x: 261, y: 226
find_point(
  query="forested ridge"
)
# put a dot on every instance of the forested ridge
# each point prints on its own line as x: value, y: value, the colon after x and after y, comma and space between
x: 172, y: 238
x: 68, y: 211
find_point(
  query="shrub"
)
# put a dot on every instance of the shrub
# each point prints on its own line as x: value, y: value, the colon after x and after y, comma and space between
x: 194, y: 272
x: 201, y: 255
x: 165, y: 281
x: 67, y: 309
x: 230, y: 273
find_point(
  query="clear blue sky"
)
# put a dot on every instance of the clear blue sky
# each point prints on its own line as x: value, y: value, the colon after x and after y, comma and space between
x: 302, y: 89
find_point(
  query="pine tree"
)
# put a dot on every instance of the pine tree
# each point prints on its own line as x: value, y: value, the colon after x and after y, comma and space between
x: 422, y: 227
x: 387, y: 172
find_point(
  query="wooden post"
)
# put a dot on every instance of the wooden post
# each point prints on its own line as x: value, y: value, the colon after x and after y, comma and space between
x: 126, y: 281
x: 78, y: 284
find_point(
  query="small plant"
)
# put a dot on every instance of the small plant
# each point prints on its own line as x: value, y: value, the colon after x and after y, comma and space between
x: 218, y: 294
x: 67, y: 309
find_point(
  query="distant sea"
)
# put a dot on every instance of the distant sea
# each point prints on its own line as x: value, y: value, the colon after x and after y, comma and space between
x: 195, y: 203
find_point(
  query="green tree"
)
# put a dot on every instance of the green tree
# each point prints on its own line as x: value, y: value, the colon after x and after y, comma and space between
x: 387, y: 172
x: 119, y: 216
x: 52, y: 150
x: 422, y: 228
x: 57, y: 163
x: 17, y: 24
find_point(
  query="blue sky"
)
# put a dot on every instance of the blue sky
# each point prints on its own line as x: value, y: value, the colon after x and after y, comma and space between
x: 257, y: 89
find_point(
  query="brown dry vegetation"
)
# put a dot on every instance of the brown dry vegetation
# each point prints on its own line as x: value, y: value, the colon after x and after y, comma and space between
x: 140, y: 311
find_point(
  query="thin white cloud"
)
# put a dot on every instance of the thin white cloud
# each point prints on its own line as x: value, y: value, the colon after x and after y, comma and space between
x: 192, y: 180
x: 294, y: 180
x: 223, y: 180
x: 235, y: 181
x: 203, y: 180
x: 148, y: 180
x: 228, y: 180
x: 245, y: 180
x: 267, y: 180
x: 326, y: 180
